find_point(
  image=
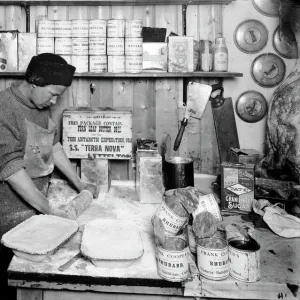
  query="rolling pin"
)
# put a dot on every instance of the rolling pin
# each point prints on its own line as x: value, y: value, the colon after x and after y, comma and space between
x: 78, y: 205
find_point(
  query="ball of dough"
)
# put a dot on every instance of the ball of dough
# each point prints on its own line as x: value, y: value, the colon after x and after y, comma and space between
x: 205, y: 225
x: 175, y: 205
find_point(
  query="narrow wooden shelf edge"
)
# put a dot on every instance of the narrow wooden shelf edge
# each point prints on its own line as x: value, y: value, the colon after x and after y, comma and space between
x: 113, y: 2
x: 139, y: 75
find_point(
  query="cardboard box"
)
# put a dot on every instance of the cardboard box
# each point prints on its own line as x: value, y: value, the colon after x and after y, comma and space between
x: 181, y: 54
x: 9, y: 42
x: 155, y: 57
x: 237, y: 186
x: 246, y: 156
x: 149, y: 179
x: 26, y: 49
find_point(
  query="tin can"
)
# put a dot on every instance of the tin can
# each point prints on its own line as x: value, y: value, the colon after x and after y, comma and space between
x: 97, y: 28
x: 115, y: 46
x: 80, y: 62
x: 133, y: 28
x: 209, y: 203
x: 98, y: 64
x: 191, y: 239
x: 97, y: 46
x: 212, y: 258
x: 172, y: 264
x: 62, y: 29
x: 134, y: 46
x: 196, y: 55
x: 172, y: 222
x: 80, y: 46
x: 116, y: 64
x: 133, y: 64
x: 45, y: 28
x: 3, y: 62
x: 178, y: 172
x: 244, y: 259
x: 237, y: 186
x: 206, y: 55
x: 80, y: 28
x: 44, y: 45
x: 63, y: 46
x: 115, y: 28
x: 67, y: 58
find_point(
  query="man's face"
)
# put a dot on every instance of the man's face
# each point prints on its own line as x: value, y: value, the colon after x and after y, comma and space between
x: 42, y: 97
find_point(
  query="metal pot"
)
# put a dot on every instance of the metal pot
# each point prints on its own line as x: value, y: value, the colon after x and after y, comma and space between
x: 178, y: 172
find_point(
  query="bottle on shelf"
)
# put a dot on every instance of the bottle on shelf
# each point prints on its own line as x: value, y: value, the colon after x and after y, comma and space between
x: 3, y: 58
x: 220, y: 55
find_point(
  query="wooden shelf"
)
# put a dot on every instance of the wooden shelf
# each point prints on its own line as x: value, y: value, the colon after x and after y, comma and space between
x: 140, y: 75
x: 113, y: 2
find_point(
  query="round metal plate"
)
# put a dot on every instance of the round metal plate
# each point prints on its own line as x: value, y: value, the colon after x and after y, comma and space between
x: 268, y: 70
x: 284, y: 42
x: 268, y: 8
x: 251, y: 106
x: 251, y: 36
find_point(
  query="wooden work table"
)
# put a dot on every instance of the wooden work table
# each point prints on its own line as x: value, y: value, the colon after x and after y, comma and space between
x: 280, y: 262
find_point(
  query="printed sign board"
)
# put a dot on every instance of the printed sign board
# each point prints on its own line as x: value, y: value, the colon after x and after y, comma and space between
x: 97, y: 133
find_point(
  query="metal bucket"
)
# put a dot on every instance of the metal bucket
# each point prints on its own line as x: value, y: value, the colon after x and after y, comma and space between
x: 244, y: 259
x: 172, y: 262
x: 212, y: 258
x: 178, y: 172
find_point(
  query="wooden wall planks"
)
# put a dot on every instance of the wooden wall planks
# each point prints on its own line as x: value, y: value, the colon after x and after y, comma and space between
x: 157, y: 105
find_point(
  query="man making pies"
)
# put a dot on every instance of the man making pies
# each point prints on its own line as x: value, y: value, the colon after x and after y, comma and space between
x: 29, y: 149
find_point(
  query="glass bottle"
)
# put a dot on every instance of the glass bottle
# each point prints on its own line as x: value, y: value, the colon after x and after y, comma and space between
x: 220, y: 53
x: 3, y: 57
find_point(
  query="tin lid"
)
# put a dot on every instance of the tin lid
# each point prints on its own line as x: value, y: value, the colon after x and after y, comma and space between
x: 268, y: 70
x: 251, y: 36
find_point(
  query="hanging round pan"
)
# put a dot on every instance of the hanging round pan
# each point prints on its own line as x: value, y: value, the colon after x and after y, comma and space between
x: 268, y: 70
x: 251, y: 36
x: 284, y: 42
x: 268, y: 8
x: 251, y: 106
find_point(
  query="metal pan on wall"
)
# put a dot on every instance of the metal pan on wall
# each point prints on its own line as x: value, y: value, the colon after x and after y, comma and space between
x: 251, y: 36
x: 251, y: 106
x: 268, y: 8
x: 284, y: 42
x: 268, y: 70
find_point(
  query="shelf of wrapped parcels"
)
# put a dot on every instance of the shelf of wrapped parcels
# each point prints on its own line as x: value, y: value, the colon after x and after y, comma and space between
x: 113, y: 2
x: 140, y: 75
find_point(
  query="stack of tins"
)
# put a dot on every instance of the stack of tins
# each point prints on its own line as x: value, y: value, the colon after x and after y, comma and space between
x: 116, y: 46
x: 45, y: 36
x: 133, y: 46
x: 80, y: 45
x: 97, y: 46
x: 63, y: 41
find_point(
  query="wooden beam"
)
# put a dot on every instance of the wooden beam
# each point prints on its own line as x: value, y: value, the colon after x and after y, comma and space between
x: 114, y: 2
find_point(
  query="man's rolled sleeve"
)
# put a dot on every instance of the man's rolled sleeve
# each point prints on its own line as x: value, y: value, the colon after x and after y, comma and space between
x: 11, y: 168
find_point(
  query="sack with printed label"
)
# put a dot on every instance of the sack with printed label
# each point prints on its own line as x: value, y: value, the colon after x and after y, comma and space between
x: 277, y: 219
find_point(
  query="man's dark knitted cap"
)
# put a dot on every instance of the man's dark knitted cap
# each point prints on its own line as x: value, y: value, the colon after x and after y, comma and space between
x: 48, y: 68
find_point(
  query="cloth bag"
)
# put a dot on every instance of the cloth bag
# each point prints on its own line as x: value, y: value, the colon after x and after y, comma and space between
x: 278, y: 219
